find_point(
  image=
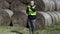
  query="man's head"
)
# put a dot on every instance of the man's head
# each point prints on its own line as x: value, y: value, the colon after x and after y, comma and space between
x: 32, y: 3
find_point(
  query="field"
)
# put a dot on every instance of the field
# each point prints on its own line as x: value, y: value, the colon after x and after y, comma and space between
x: 54, y: 29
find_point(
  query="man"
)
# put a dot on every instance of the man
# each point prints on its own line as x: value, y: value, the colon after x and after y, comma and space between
x: 31, y: 11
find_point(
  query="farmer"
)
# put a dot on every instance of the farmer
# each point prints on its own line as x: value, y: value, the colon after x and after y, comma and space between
x: 31, y: 11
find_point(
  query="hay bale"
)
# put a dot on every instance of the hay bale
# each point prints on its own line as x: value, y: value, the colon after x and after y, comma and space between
x: 58, y: 14
x: 52, y: 4
x: 57, y: 4
x: 43, y: 20
x: 19, y: 19
x: 10, y: 1
x: 4, y: 4
x: 45, y: 5
x: 17, y: 6
x: 4, y: 18
x: 54, y: 16
x: 9, y: 12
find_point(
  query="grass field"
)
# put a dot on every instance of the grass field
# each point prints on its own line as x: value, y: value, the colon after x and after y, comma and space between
x: 54, y: 29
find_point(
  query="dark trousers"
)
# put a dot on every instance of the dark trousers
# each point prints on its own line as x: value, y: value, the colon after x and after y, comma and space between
x: 32, y: 26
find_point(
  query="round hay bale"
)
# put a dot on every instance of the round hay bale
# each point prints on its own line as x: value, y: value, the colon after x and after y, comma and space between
x: 52, y: 5
x: 57, y: 4
x: 53, y: 18
x: 43, y: 19
x: 58, y: 16
x: 9, y: 12
x: 4, y: 4
x: 45, y: 5
x: 19, y: 19
x: 4, y: 18
x: 18, y: 6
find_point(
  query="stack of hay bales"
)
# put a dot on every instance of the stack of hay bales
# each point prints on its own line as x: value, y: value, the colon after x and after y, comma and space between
x: 45, y: 5
x: 50, y: 14
x: 19, y: 17
x: 47, y: 18
x: 5, y: 13
x: 15, y: 11
x: 50, y: 19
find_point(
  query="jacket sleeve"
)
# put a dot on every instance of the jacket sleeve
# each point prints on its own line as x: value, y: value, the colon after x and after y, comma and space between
x: 27, y: 10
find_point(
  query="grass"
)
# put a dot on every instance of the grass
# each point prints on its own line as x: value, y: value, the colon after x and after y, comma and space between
x: 54, y: 29
x: 9, y: 29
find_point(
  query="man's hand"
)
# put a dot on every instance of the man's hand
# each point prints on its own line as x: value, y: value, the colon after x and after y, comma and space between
x: 28, y: 6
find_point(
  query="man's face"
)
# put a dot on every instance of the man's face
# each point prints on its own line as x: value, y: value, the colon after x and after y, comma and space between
x: 32, y: 3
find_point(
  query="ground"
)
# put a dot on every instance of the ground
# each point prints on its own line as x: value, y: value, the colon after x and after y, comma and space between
x: 54, y: 29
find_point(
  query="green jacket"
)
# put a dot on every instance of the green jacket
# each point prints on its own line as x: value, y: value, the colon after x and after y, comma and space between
x: 30, y: 14
x: 31, y: 10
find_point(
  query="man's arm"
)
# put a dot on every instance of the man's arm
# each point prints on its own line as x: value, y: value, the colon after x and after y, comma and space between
x: 27, y: 11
